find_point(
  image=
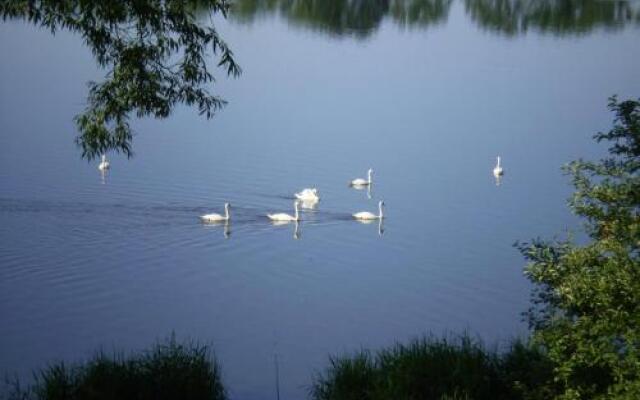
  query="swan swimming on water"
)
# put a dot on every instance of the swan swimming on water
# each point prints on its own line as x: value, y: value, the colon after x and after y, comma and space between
x: 104, y: 164
x: 308, y: 204
x: 308, y: 194
x: 366, y: 215
x: 362, y: 182
x: 498, y: 171
x: 286, y: 217
x: 217, y: 217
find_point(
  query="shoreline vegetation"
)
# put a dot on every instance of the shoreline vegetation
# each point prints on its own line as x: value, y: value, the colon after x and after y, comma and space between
x: 440, y: 368
x: 168, y: 370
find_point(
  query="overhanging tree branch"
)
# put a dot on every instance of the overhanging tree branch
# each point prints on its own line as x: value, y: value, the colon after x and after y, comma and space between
x: 156, y: 54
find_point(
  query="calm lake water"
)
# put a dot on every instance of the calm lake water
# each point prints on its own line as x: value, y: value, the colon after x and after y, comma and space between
x: 426, y: 93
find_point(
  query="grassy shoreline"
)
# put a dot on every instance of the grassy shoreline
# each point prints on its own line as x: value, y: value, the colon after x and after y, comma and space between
x: 438, y: 368
x: 169, y: 370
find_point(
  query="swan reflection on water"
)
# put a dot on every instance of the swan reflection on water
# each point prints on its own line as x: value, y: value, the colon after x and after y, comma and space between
x: 103, y: 176
x: 498, y: 171
x: 363, y: 187
x: 296, y: 230
x: 225, y: 224
x: 371, y: 221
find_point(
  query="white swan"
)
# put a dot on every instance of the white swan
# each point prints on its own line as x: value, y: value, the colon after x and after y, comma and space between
x: 498, y: 171
x: 366, y: 215
x: 104, y: 164
x: 286, y: 217
x: 308, y: 194
x: 308, y: 204
x: 217, y: 217
x: 362, y: 182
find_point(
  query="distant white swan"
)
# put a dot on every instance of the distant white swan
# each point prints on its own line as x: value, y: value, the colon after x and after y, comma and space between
x: 286, y: 217
x: 217, y: 217
x: 498, y: 171
x: 104, y: 164
x: 308, y: 194
x: 362, y: 182
x: 366, y: 215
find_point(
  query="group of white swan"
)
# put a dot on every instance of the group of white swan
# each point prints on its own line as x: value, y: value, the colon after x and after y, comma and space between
x: 307, y: 195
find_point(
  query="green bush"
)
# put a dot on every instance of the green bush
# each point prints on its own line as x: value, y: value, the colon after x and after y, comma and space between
x: 586, y: 309
x: 168, y: 371
x: 436, y: 369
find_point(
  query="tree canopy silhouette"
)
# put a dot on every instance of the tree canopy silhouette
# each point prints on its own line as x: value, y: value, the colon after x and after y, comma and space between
x: 155, y: 53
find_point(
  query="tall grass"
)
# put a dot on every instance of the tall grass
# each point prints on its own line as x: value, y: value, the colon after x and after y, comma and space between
x: 170, y: 370
x: 430, y: 368
x: 451, y: 368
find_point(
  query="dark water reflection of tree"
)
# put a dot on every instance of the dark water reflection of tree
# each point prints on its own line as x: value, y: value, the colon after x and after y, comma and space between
x: 360, y: 18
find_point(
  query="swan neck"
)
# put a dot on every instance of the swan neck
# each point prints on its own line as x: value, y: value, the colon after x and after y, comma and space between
x: 295, y: 206
x: 226, y: 211
x: 369, y: 175
x: 498, y: 165
x: 380, y: 210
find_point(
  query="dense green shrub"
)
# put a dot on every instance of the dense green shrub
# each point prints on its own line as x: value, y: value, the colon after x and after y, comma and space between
x: 586, y: 308
x: 168, y: 371
x: 438, y: 368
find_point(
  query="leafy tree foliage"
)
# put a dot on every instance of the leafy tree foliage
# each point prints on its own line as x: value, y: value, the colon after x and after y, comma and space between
x: 155, y: 52
x: 587, y: 298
